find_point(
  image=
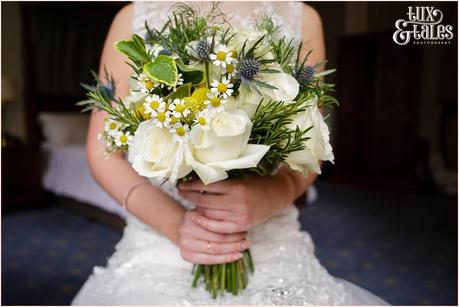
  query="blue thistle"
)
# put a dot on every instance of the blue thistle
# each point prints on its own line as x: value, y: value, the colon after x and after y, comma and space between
x: 305, y: 74
x: 248, y: 68
x: 203, y: 49
x: 165, y: 51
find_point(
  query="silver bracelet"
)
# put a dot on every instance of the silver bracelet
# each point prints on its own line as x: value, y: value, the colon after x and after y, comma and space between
x: 131, y: 189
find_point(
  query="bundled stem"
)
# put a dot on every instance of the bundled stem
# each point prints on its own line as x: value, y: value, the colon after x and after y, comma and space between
x: 230, y: 277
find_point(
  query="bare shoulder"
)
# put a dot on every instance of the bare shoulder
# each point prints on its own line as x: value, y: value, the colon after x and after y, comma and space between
x: 124, y: 17
x: 310, y: 16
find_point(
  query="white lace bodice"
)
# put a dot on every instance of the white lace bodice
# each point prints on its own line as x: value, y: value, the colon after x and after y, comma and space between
x: 287, y: 15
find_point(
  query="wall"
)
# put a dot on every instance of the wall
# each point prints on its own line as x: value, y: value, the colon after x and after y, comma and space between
x: 13, y: 120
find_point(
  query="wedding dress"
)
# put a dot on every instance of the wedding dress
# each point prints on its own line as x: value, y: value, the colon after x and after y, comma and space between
x: 146, y: 268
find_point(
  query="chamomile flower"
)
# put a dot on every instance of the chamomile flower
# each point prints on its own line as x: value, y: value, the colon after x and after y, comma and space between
x: 223, y: 88
x: 112, y: 127
x: 180, y: 132
x: 222, y: 56
x: 231, y: 70
x: 203, y: 119
x: 160, y: 116
x: 145, y: 84
x: 179, y: 108
x: 215, y: 102
x: 123, y: 139
x: 152, y: 103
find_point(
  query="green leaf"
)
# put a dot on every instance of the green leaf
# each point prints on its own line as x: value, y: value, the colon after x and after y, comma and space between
x: 134, y: 49
x: 181, y: 92
x: 190, y: 74
x: 163, y: 69
x: 324, y: 73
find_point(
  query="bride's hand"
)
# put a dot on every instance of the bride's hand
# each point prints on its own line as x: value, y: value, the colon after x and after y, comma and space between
x: 198, y: 245
x: 231, y: 206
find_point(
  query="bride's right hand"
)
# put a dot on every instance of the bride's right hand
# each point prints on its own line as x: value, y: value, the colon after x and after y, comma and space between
x: 201, y: 246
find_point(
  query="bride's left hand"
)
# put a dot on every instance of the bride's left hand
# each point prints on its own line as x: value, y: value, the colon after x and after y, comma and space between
x: 231, y: 206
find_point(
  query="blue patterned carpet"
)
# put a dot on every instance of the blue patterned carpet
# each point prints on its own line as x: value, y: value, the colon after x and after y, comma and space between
x: 401, y: 246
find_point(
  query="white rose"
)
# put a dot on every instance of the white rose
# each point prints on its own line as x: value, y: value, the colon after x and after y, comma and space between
x: 318, y: 147
x: 287, y: 86
x: 155, y: 154
x: 223, y: 147
x: 287, y: 90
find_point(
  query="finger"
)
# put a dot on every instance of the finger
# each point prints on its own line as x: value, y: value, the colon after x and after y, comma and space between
x: 202, y: 258
x: 220, y: 187
x: 205, y: 200
x: 194, y: 230
x: 219, y: 226
x: 214, y: 248
x: 221, y: 215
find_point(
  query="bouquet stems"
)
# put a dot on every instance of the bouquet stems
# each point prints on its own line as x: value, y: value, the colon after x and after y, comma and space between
x: 230, y: 277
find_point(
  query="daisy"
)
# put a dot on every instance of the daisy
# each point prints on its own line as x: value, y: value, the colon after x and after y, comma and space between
x: 145, y: 84
x: 152, y: 103
x: 160, y: 116
x: 112, y: 127
x: 123, y: 139
x: 180, y: 131
x: 203, y: 119
x: 231, y: 70
x: 223, y: 87
x: 214, y: 102
x: 222, y: 56
x: 178, y: 108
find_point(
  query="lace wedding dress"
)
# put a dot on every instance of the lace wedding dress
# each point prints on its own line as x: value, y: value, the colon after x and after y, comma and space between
x: 146, y: 268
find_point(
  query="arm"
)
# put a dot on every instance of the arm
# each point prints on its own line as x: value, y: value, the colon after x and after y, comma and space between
x: 114, y: 173
x: 234, y: 205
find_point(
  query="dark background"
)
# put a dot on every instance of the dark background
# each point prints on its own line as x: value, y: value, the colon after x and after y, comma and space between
x: 386, y: 217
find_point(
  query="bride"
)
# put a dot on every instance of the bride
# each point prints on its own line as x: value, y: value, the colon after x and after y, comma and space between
x: 166, y: 233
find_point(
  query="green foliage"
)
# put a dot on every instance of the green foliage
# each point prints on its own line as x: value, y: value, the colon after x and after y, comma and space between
x: 101, y: 99
x: 181, y: 92
x: 163, y: 70
x: 283, y: 51
x: 134, y: 49
x: 190, y: 74
x: 270, y: 127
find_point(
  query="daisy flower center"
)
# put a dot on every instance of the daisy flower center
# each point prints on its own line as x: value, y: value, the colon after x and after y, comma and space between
x: 123, y: 139
x: 180, y: 108
x: 230, y: 68
x: 233, y: 53
x: 161, y: 116
x: 174, y: 120
x: 154, y: 104
x: 112, y: 126
x: 221, y: 55
x: 215, y: 102
x: 202, y: 121
x: 221, y: 87
x: 148, y: 85
x: 180, y: 131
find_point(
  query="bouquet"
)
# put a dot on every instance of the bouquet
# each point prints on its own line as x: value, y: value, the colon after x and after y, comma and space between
x: 214, y: 102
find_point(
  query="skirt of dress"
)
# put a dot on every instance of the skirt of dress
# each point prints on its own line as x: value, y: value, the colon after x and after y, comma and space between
x: 146, y: 269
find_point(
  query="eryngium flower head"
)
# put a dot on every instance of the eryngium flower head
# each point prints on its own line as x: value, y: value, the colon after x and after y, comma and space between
x: 305, y: 74
x: 165, y: 51
x: 203, y: 49
x: 248, y: 68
